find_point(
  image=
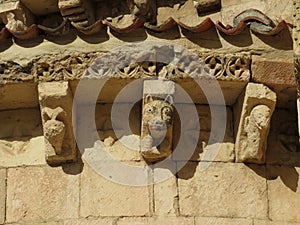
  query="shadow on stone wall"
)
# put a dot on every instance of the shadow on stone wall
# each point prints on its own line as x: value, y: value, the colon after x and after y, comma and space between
x: 288, y: 175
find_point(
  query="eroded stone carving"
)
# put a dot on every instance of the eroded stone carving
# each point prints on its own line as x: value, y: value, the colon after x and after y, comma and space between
x: 81, y: 13
x: 71, y: 66
x: 223, y: 67
x: 56, y: 107
x: 145, y: 9
x: 253, y: 112
x: 256, y: 126
x: 54, y: 129
x: 157, y: 120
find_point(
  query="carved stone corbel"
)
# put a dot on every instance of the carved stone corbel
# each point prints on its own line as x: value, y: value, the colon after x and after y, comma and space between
x: 253, y: 111
x: 55, y: 100
x: 157, y: 120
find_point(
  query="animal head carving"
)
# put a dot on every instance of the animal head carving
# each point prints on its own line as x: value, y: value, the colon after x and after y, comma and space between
x: 158, y: 115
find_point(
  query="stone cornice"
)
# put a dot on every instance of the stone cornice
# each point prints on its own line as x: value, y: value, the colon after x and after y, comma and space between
x: 90, y: 17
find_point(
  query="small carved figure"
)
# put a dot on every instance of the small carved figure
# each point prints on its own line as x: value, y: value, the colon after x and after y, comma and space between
x: 54, y: 129
x: 256, y: 125
x: 157, y: 121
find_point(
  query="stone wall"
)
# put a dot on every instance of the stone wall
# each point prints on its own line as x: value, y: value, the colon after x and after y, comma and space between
x: 44, y: 180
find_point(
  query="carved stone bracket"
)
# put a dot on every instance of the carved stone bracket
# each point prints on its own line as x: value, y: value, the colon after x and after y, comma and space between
x: 157, y: 119
x: 56, y: 107
x: 253, y: 111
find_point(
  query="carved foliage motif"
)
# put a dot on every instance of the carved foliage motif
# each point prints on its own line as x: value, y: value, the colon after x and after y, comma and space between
x: 222, y: 67
x: 71, y: 66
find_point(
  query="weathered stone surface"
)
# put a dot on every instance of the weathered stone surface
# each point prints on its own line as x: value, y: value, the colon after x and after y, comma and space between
x: 41, y: 8
x: 253, y: 113
x: 42, y: 193
x: 56, y: 108
x: 2, y: 194
x: 283, y: 194
x: 155, y: 221
x: 20, y: 123
x: 101, y: 197
x: 165, y: 192
x: 12, y: 99
x: 101, y: 221
x: 133, y: 221
x: 20, y: 153
x: 275, y: 72
x: 41, y: 223
x: 268, y: 222
x: 190, y: 132
x: 222, y: 190
x: 221, y: 221
x: 283, y: 140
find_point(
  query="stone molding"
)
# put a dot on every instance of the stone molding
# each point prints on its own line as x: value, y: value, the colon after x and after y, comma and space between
x: 71, y: 66
x: 90, y: 17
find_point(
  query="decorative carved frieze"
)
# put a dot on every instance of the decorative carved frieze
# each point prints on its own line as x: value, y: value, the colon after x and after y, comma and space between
x: 56, y: 108
x: 223, y: 67
x: 253, y: 114
x: 71, y: 66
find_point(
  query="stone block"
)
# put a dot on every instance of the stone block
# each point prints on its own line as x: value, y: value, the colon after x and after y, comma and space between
x: 268, y: 222
x: 222, y: 190
x: 20, y: 153
x: 273, y: 72
x: 20, y: 123
x: 90, y: 221
x: 190, y: 133
x: 2, y: 195
x: 102, y: 197
x: 41, y: 8
x: 221, y: 221
x: 156, y: 220
x: 42, y: 193
x: 253, y: 113
x: 283, y: 140
x: 283, y: 194
x: 11, y: 99
x: 165, y: 191
x: 56, y: 101
x: 41, y: 223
